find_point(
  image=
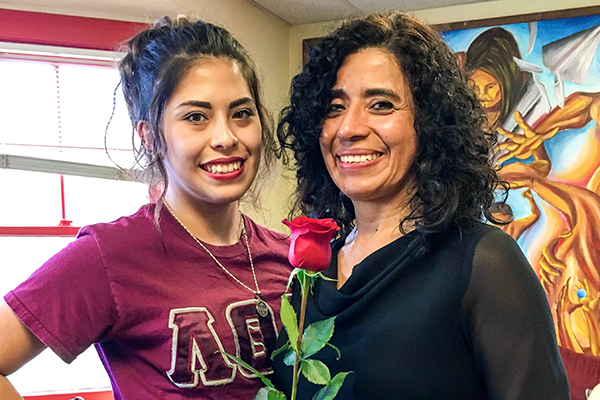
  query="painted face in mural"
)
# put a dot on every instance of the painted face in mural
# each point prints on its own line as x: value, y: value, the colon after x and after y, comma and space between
x: 488, y: 91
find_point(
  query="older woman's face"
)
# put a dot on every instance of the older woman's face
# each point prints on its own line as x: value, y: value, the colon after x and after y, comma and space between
x: 368, y: 139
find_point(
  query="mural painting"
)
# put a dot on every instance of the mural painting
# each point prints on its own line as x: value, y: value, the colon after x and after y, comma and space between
x: 539, y: 83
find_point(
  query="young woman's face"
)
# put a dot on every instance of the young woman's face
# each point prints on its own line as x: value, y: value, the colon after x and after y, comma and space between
x: 368, y: 140
x: 212, y: 133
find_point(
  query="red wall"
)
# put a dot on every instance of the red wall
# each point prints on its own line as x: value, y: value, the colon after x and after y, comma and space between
x: 69, y: 396
x: 66, y: 31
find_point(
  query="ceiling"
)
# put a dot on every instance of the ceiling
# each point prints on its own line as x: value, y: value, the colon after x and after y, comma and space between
x: 292, y: 11
x: 307, y: 11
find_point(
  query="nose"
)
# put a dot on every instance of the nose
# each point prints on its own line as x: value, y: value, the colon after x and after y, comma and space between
x: 223, y: 136
x: 353, y: 124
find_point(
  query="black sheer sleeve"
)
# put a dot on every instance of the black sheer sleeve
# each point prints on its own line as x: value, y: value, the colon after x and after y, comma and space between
x: 510, y: 324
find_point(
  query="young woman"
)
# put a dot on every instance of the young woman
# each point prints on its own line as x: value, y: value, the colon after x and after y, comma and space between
x: 163, y: 293
x: 430, y: 303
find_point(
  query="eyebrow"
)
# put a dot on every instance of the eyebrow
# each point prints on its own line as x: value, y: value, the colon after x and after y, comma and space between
x: 341, y: 94
x: 195, y: 103
x: 382, y: 92
x: 206, y: 104
x: 241, y: 101
x: 338, y: 94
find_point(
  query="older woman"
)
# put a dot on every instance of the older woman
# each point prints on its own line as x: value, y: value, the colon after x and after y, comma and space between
x: 430, y: 302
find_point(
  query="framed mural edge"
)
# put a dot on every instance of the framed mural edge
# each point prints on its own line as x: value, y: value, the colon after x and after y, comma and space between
x: 307, y: 43
x: 517, y: 18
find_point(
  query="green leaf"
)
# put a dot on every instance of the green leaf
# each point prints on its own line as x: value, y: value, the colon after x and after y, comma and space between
x: 276, y: 395
x: 320, y: 330
x: 289, y: 358
x: 292, y: 275
x: 310, y: 346
x: 339, y: 353
x: 316, y: 336
x: 269, y: 394
x: 331, y: 390
x: 244, y: 364
x: 327, y: 278
x: 313, y: 274
x: 283, y: 348
x: 316, y: 372
x: 290, y: 321
x: 303, y: 278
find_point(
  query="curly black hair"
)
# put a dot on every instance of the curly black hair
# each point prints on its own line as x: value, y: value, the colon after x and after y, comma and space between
x: 454, y: 173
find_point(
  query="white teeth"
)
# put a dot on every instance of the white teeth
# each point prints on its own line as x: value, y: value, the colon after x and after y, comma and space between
x: 224, y: 168
x: 359, y: 158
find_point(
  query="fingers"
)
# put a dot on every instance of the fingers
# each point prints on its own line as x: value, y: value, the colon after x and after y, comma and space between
x: 509, y: 134
x: 528, y: 132
x: 508, y: 145
x: 503, y: 157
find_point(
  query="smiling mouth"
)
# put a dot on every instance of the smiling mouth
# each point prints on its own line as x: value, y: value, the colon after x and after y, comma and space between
x: 222, y: 168
x: 356, y: 159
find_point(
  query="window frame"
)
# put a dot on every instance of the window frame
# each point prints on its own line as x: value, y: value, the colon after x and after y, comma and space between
x: 63, y: 39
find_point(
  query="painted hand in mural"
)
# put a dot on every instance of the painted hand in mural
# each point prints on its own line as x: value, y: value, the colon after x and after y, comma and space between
x: 580, y: 310
x: 521, y: 146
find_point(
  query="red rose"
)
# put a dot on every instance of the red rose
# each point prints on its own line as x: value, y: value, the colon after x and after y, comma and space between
x: 310, y: 248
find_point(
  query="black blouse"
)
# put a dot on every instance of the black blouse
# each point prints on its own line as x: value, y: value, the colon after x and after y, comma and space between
x: 466, y: 319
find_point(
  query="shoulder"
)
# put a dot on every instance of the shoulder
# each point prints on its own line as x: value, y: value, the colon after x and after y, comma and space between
x: 266, y: 235
x: 484, y: 254
x: 496, y: 247
x: 488, y: 249
x: 141, y: 217
x: 124, y: 231
x: 268, y: 246
x: 466, y: 240
x: 499, y: 268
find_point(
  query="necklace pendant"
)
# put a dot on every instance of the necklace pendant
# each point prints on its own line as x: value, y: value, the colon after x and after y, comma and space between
x: 261, y: 307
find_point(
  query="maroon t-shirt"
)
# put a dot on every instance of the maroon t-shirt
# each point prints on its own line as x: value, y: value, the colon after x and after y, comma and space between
x: 157, y: 307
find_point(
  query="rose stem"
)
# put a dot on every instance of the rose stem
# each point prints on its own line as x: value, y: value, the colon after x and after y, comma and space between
x: 305, y: 289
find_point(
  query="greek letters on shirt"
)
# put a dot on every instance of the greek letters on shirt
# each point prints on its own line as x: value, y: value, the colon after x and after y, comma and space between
x: 197, y: 350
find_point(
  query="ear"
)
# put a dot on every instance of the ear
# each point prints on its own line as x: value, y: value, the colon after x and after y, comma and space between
x: 143, y: 131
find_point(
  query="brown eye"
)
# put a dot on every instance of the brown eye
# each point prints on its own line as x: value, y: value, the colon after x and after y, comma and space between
x: 334, y: 109
x: 383, y: 106
x: 243, y: 114
x: 195, y: 117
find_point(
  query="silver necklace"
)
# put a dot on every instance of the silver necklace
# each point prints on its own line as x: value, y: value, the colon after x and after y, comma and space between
x: 261, y: 307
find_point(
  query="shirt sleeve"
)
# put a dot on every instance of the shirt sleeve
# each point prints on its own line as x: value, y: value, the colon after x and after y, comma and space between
x: 67, y: 303
x: 511, y: 325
